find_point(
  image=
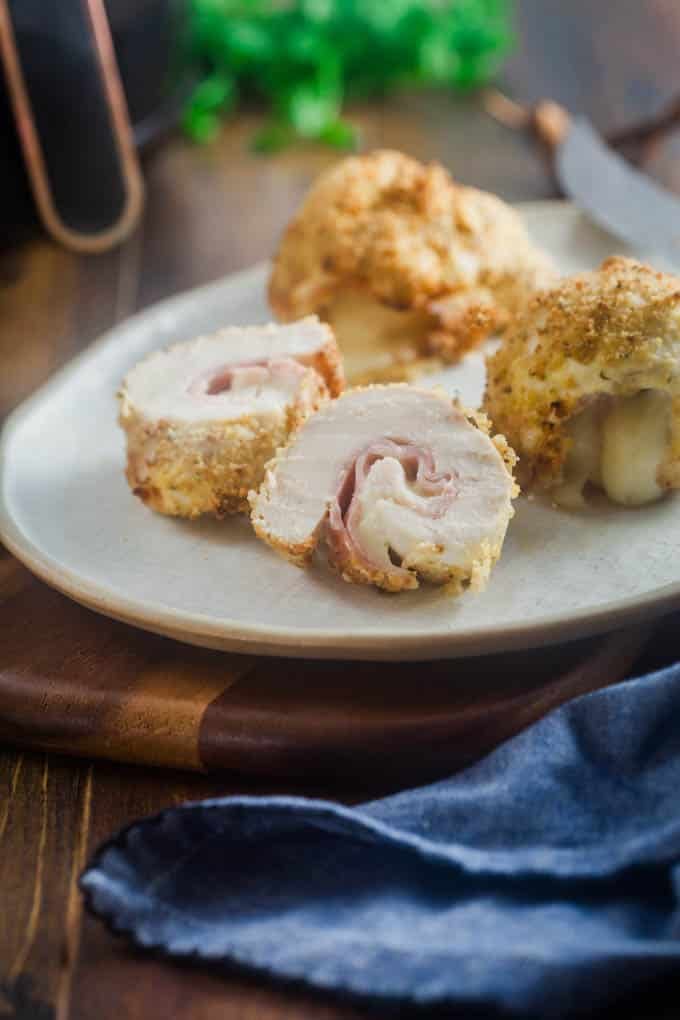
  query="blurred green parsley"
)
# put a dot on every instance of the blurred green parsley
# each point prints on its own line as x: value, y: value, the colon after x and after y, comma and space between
x: 303, y: 59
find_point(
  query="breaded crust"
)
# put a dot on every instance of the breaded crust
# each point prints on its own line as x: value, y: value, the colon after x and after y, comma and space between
x: 327, y: 362
x: 413, y: 239
x: 425, y: 563
x: 190, y: 469
x: 615, y: 331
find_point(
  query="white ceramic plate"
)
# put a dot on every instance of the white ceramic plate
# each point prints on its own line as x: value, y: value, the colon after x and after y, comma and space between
x: 66, y: 512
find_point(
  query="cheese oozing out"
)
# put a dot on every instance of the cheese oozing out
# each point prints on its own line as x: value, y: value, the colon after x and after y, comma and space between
x: 371, y: 334
x: 618, y: 444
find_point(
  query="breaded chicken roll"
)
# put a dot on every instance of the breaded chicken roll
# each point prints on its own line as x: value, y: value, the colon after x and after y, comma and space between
x: 203, y: 417
x: 587, y: 386
x: 403, y: 263
x: 400, y: 482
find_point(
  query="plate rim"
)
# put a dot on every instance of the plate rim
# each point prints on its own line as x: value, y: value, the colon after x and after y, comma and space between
x: 298, y: 642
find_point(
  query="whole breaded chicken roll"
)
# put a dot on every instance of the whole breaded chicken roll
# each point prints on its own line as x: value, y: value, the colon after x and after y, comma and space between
x: 586, y: 386
x: 400, y: 482
x: 403, y: 262
x: 202, y: 418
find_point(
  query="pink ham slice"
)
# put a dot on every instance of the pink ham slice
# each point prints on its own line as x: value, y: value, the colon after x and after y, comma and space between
x: 246, y: 375
x: 434, y: 491
x: 401, y: 483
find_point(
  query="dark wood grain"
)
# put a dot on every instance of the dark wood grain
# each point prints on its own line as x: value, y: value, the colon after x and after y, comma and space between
x: 44, y: 832
x: 212, y: 211
x: 93, y: 686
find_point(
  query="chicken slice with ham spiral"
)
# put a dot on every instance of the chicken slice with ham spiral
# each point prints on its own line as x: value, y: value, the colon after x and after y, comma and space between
x: 203, y: 418
x: 401, y: 485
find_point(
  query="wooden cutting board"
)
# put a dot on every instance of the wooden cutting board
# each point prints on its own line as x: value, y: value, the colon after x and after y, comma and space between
x: 78, y: 683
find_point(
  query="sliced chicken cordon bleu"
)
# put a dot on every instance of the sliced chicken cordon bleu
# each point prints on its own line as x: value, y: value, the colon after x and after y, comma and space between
x: 403, y: 263
x: 400, y: 482
x: 586, y: 386
x: 202, y: 418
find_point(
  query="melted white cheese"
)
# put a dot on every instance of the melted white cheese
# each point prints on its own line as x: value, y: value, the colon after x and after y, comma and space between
x: 583, y: 462
x: 635, y: 436
x: 390, y: 517
x: 371, y: 334
x: 619, y: 447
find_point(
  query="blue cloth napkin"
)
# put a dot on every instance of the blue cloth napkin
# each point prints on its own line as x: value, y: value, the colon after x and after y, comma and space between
x: 545, y: 879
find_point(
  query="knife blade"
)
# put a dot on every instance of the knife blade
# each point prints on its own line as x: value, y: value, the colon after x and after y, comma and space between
x: 619, y: 198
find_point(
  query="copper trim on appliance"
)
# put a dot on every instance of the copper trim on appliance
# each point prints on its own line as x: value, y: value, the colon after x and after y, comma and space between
x: 32, y: 148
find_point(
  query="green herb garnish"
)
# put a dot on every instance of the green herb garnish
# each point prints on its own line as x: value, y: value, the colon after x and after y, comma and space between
x: 303, y: 59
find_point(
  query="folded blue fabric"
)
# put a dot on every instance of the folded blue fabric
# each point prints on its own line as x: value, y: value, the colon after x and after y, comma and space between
x: 545, y: 879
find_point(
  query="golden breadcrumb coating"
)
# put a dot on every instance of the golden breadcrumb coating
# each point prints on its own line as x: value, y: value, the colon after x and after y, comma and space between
x: 187, y: 470
x: 327, y: 362
x: 457, y: 260
x: 611, y: 333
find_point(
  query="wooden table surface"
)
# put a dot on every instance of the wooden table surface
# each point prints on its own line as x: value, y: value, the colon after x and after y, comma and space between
x: 211, y: 211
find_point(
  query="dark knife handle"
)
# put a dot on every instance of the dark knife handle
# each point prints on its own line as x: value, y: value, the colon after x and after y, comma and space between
x: 72, y: 120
